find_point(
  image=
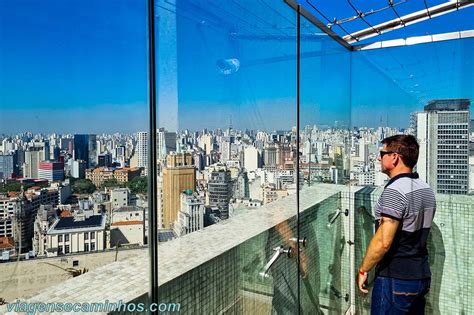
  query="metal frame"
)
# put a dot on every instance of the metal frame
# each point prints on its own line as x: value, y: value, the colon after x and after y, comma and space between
x: 400, y: 21
x: 306, y: 14
x: 415, y: 40
x: 412, y: 18
x: 152, y: 169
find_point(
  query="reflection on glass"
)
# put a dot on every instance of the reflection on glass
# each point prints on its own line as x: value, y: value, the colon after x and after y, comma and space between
x: 424, y: 90
x: 325, y: 147
x: 226, y: 151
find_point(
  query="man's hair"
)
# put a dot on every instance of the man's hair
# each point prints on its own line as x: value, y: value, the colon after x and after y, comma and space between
x: 406, y: 146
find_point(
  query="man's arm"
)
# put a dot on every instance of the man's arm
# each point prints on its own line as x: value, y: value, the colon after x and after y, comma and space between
x: 378, y: 247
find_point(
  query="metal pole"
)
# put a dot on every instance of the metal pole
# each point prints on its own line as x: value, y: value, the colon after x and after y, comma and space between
x: 152, y: 171
x: 298, y: 39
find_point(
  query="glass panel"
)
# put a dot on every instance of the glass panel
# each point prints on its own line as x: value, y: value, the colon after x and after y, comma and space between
x: 324, y: 163
x: 226, y: 140
x: 424, y: 90
x: 73, y: 86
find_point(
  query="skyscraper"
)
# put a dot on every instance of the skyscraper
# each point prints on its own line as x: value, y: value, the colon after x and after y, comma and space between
x: 7, y: 166
x: 85, y: 149
x: 142, y: 150
x: 270, y: 155
x: 220, y: 190
x: 165, y: 143
x: 443, y: 133
x: 251, y: 158
x: 178, y: 175
x: 32, y: 157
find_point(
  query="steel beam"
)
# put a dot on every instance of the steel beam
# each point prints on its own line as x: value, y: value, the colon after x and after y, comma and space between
x: 408, y: 19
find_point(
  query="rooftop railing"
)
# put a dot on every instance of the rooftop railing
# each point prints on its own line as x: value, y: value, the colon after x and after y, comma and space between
x: 219, y: 269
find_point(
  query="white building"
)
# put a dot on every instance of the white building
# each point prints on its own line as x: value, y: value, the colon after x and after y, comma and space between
x: 191, y: 214
x: 141, y: 151
x: 32, y: 158
x: 8, y: 208
x: 251, y: 158
x: 120, y: 197
x: 82, y: 232
x: 77, y: 168
x: 127, y: 226
x: 44, y: 219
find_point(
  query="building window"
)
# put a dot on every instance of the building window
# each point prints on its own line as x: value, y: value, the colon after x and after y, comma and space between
x: 92, y: 235
x: 86, y: 247
x: 66, y: 238
x: 86, y: 235
x: 92, y: 246
x: 66, y: 249
x: 60, y: 238
x: 60, y: 250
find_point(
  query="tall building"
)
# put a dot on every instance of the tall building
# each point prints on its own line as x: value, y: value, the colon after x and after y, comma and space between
x: 141, y: 150
x: 32, y: 158
x: 78, y: 169
x: 43, y: 147
x: 206, y: 142
x: 220, y: 190
x: 8, y: 212
x: 225, y: 149
x: 165, y: 143
x: 270, y: 155
x: 251, y: 158
x: 443, y: 134
x: 178, y: 175
x: 52, y: 171
x: 7, y: 166
x: 85, y: 148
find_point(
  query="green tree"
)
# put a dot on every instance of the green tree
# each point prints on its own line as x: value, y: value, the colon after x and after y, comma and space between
x: 138, y: 185
x: 83, y: 186
x: 111, y: 183
x: 11, y: 187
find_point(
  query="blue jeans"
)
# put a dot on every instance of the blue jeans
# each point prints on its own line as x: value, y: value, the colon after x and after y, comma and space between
x: 396, y: 296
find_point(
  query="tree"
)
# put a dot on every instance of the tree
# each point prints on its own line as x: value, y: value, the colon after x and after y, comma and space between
x: 11, y: 187
x: 138, y: 185
x: 83, y: 186
x: 111, y: 183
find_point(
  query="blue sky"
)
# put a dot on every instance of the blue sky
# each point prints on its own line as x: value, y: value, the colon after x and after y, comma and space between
x: 81, y: 66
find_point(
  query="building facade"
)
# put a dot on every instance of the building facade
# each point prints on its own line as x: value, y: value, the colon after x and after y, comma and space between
x: 220, y: 190
x: 190, y: 215
x: 442, y: 131
x: 52, y: 171
x: 82, y: 232
x: 85, y: 149
x: 7, y: 166
x: 178, y: 175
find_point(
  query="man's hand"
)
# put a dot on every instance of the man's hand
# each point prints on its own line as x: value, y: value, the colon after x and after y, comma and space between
x: 362, y: 282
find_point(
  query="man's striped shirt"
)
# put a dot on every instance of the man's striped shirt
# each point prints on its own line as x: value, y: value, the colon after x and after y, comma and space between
x: 411, y: 201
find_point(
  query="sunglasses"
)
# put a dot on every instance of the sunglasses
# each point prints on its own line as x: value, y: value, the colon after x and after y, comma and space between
x: 382, y: 153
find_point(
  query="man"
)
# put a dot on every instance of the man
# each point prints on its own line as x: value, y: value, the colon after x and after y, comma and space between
x: 403, y: 214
